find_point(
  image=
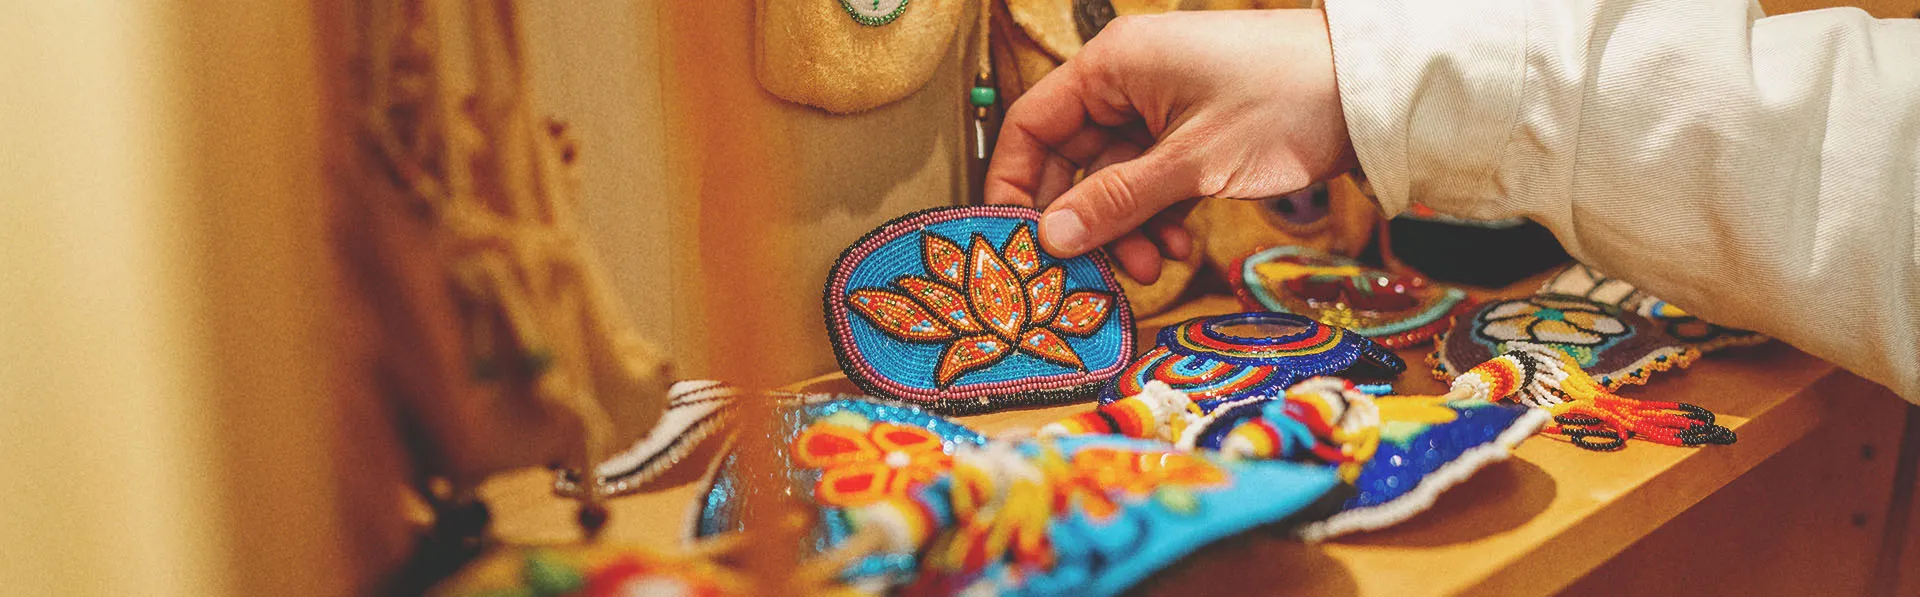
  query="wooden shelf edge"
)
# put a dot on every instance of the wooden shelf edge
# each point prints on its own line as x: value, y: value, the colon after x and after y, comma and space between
x: 1598, y: 537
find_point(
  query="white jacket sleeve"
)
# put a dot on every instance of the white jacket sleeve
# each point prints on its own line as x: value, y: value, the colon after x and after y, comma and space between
x: 1761, y: 172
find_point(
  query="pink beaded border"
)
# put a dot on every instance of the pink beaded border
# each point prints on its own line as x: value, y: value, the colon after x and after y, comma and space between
x: 1017, y: 391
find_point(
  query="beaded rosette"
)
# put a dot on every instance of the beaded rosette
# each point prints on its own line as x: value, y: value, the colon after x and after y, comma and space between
x: 1395, y: 310
x: 956, y: 513
x: 958, y: 310
x: 1228, y: 358
x: 1616, y: 346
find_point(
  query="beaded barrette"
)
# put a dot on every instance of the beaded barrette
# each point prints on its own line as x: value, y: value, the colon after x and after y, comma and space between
x: 1619, y: 346
x: 1583, y: 410
x: 1398, y: 452
x: 1396, y: 311
x: 1227, y: 358
x: 913, y: 499
x: 958, y: 309
x: 1584, y: 281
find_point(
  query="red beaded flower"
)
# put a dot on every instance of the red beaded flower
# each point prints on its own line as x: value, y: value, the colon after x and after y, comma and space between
x: 985, y: 305
x: 863, y: 466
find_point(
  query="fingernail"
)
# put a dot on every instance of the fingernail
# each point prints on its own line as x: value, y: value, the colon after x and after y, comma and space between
x: 1063, y: 231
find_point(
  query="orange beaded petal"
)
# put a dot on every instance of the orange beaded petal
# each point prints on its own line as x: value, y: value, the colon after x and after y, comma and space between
x: 898, y: 316
x: 1043, y: 343
x: 968, y: 354
x: 1043, y: 293
x: 827, y: 445
x: 1022, y: 253
x: 996, y: 294
x: 891, y: 437
x: 1082, y: 313
x: 857, y: 484
x: 945, y: 302
x: 943, y: 258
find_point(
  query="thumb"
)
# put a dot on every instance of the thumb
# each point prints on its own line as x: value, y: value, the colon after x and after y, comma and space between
x: 1115, y: 200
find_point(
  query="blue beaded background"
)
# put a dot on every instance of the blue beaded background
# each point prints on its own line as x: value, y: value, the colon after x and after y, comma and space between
x: 912, y: 365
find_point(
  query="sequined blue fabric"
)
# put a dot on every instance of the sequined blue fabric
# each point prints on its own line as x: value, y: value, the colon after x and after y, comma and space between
x: 1397, y: 467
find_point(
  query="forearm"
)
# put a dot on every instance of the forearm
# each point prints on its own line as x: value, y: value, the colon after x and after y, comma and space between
x: 1760, y: 173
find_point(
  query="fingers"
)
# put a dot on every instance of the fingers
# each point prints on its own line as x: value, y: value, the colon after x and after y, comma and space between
x: 1168, y: 230
x: 1137, y: 257
x: 1116, y: 200
x: 1066, y: 115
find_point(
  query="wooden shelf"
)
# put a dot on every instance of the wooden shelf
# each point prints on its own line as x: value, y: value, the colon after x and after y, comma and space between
x: 1532, y: 525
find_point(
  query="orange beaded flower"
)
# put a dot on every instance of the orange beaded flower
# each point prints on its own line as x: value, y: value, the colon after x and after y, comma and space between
x: 1098, y: 473
x: 1140, y: 473
x: 865, y: 466
x: 985, y: 304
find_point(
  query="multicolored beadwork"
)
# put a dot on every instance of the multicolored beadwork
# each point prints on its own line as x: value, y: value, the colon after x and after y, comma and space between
x: 1584, y: 411
x: 1230, y: 357
x: 1398, y: 452
x: 959, y: 310
x: 1089, y: 515
x: 1620, y: 347
x: 1584, y: 281
x: 844, y: 453
x: 1395, y: 310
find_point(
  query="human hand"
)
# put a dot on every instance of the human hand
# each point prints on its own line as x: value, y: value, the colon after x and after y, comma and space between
x: 1162, y: 109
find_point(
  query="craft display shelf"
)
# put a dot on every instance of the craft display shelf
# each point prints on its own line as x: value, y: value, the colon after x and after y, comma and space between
x: 1534, y: 525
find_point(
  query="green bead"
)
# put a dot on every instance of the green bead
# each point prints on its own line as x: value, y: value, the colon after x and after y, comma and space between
x: 983, y: 96
x: 1178, y: 500
x: 547, y: 575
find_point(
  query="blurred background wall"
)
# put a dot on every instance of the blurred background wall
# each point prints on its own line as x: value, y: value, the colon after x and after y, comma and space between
x: 599, y: 66
x: 167, y: 425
